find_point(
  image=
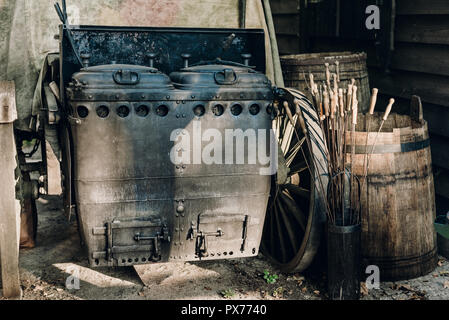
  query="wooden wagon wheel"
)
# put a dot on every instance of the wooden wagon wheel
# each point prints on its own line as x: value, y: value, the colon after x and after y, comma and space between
x: 295, y: 212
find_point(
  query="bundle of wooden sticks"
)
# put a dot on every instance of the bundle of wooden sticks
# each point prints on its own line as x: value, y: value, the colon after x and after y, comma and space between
x: 338, y: 109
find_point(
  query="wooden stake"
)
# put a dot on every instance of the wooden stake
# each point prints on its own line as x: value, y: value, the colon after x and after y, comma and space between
x: 9, y: 207
x: 341, y: 103
x: 334, y: 76
x: 349, y: 99
x: 326, y: 101
x: 337, y: 67
x: 328, y: 75
x: 312, y: 84
x: 368, y: 125
x: 373, y: 101
x: 354, y: 123
x: 385, y: 117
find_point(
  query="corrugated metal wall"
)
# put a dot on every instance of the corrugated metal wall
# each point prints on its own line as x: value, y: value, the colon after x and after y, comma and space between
x: 418, y: 65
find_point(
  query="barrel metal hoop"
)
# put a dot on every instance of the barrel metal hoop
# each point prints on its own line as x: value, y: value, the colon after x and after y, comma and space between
x: 403, y: 260
x: 301, y: 60
x: 391, y: 148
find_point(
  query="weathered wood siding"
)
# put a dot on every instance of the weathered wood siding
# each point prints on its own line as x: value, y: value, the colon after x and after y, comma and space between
x: 287, y: 24
x: 419, y: 64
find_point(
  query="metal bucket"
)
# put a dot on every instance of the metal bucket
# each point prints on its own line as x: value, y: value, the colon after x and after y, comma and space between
x: 344, y: 258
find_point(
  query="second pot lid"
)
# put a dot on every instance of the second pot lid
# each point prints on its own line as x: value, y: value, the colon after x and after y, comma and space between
x: 218, y: 75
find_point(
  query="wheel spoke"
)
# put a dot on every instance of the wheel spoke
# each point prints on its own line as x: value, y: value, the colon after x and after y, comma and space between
x: 294, y: 210
x: 298, y: 191
x: 288, y: 227
x: 280, y: 237
x: 300, y: 167
x: 293, y: 152
x: 272, y: 237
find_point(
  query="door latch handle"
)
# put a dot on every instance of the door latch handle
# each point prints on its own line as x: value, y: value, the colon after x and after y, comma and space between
x: 201, y: 241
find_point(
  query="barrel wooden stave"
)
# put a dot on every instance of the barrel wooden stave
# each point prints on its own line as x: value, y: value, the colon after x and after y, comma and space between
x: 398, y: 199
x: 296, y: 69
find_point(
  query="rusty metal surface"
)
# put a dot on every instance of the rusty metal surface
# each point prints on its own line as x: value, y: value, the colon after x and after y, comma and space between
x: 123, y: 171
x: 27, y: 30
x: 131, y: 45
x: 135, y: 206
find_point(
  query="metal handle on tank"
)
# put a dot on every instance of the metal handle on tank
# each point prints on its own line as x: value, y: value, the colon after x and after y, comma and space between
x: 226, y: 77
x: 126, y: 77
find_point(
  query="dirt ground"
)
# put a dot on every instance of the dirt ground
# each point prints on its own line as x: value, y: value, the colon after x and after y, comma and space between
x: 45, y: 269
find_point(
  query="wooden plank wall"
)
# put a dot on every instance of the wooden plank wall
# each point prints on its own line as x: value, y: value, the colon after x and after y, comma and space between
x: 287, y: 25
x: 419, y: 63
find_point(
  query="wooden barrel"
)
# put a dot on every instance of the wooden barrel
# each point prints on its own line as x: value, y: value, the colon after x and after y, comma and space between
x: 296, y: 69
x: 398, y: 197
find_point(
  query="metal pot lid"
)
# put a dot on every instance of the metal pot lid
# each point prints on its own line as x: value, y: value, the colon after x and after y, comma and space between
x: 219, y: 75
x: 118, y: 75
x: 116, y: 67
x: 208, y: 68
